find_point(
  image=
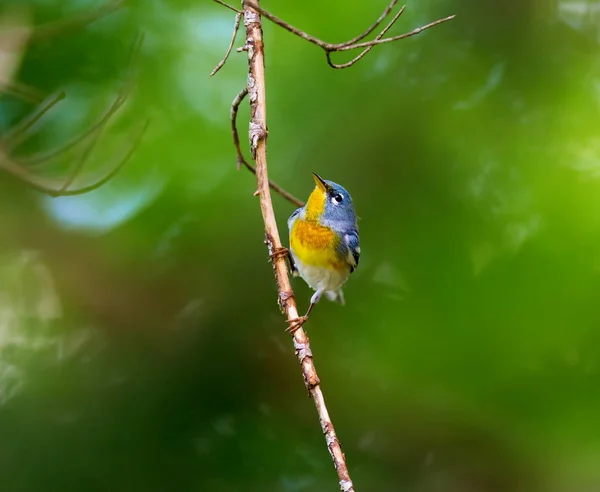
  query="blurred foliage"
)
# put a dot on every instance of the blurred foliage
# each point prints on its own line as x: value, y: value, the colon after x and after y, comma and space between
x: 141, y: 348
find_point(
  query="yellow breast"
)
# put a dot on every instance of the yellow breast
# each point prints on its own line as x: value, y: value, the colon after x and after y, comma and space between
x: 315, y: 245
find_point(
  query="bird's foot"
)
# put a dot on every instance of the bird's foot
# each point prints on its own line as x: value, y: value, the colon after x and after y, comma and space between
x: 284, y: 253
x: 281, y: 252
x: 296, y: 324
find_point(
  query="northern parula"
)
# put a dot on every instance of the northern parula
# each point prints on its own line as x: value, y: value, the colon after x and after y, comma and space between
x: 324, y: 243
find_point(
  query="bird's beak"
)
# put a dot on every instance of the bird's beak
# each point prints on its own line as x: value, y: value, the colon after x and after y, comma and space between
x: 321, y: 184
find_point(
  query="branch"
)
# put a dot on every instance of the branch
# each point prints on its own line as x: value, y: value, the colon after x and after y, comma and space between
x: 16, y: 135
x: 379, y: 20
x: 78, y: 167
x: 240, y: 156
x: 23, y: 91
x: 46, y: 156
x: 414, y: 32
x: 236, y: 26
x: 258, y: 141
x: 229, y: 7
x: 235, y: 106
x: 369, y: 48
x: 234, y: 111
x: 54, y: 188
x: 353, y: 43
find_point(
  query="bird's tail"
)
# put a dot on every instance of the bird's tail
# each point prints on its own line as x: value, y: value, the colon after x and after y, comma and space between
x: 336, y: 296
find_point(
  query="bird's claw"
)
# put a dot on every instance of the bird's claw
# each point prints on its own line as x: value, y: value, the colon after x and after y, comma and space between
x: 296, y: 324
x: 281, y: 252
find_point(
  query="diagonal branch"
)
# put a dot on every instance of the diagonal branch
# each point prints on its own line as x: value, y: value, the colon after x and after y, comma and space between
x: 14, y: 136
x: 226, y: 5
x: 353, y: 43
x: 235, y: 106
x: 46, y: 156
x: 414, y: 32
x: 54, y: 188
x: 236, y: 27
x: 379, y: 20
x: 22, y: 168
x: 368, y: 48
x: 120, y: 161
x: 77, y: 168
x: 23, y: 91
x: 258, y: 141
x: 258, y: 134
x: 241, y: 160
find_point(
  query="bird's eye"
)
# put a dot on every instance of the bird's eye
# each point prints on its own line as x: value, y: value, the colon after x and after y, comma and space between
x: 337, y: 199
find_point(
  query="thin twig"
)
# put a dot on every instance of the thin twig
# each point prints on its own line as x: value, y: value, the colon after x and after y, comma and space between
x: 22, y: 171
x: 12, y: 135
x: 414, y: 32
x: 131, y: 148
x: 51, y: 187
x: 235, y: 106
x: 228, y: 6
x: 379, y: 20
x: 23, y: 91
x: 258, y: 141
x: 351, y: 44
x: 46, y: 156
x: 240, y: 159
x: 366, y: 50
x: 288, y: 27
x: 236, y: 27
x: 82, y: 160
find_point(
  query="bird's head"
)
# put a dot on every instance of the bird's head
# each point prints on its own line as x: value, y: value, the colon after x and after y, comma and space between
x: 329, y: 202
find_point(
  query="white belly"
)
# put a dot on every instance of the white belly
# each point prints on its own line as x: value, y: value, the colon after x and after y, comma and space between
x: 322, y: 278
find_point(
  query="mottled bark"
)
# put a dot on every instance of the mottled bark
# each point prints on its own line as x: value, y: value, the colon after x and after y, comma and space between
x: 258, y: 140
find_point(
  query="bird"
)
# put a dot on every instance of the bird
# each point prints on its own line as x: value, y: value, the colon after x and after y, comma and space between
x: 324, y: 243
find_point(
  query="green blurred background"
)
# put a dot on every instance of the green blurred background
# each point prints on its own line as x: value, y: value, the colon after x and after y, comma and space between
x: 141, y: 347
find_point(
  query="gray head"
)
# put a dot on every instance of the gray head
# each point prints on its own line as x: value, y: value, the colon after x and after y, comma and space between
x: 331, y: 201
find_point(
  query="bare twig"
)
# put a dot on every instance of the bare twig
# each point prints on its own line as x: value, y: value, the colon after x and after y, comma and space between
x: 258, y: 141
x: 240, y: 156
x: 414, y: 32
x: 46, y: 156
x: 369, y: 48
x: 13, y: 136
x: 82, y: 160
x: 236, y: 26
x: 97, y: 129
x: 23, y: 91
x: 228, y: 6
x: 235, y: 106
x: 22, y: 169
x: 19, y: 168
x: 258, y: 136
x: 353, y: 43
x: 379, y: 20
x: 53, y: 187
x: 130, y: 147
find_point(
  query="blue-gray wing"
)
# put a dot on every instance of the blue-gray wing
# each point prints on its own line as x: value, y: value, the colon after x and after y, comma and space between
x: 353, y: 249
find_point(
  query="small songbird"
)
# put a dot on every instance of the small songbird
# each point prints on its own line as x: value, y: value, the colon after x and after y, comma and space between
x: 324, y: 243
